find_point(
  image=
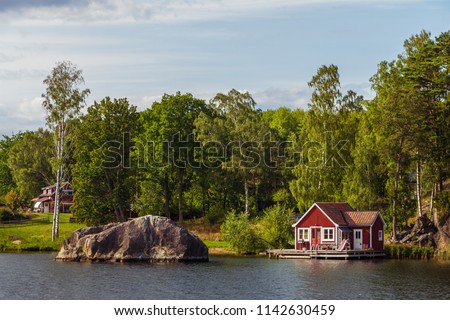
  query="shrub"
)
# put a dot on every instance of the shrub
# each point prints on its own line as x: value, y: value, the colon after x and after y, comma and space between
x: 276, y: 226
x: 12, y: 200
x: 240, y: 233
x: 5, y: 215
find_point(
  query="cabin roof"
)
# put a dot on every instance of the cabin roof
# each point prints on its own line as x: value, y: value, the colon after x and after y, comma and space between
x: 358, y: 218
x: 342, y: 214
x: 335, y: 210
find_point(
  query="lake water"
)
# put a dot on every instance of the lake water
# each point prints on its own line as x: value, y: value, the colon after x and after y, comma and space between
x: 38, y: 276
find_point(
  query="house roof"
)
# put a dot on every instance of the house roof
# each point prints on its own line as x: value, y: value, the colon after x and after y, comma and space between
x: 358, y: 218
x: 342, y: 214
x: 63, y: 184
x: 335, y: 210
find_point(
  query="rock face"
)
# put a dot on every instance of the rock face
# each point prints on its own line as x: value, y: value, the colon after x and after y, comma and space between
x: 442, y: 237
x: 146, y: 239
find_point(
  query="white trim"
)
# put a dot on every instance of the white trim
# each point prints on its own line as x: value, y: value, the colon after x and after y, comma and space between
x: 328, y: 229
x: 375, y: 219
x: 315, y: 204
x: 298, y: 234
x: 310, y: 234
x: 362, y: 239
x: 382, y: 235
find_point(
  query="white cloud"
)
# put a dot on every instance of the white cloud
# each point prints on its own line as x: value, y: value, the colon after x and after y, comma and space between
x: 28, y: 115
x: 276, y: 97
x: 158, y: 10
x: 30, y: 109
x: 145, y: 102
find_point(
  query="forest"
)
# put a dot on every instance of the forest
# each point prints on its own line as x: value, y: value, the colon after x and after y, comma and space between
x: 225, y: 160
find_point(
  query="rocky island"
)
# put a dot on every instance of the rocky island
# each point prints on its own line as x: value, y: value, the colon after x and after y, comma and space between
x: 144, y: 239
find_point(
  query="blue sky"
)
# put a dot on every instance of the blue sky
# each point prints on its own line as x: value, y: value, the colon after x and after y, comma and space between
x: 142, y: 49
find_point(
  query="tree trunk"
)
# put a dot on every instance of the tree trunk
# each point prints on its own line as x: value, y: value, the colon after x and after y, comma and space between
x: 203, y: 194
x: 166, y: 196
x: 55, y: 226
x: 246, y: 195
x: 394, y: 202
x: 120, y: 215
x: 418, y: 189
x: 256, y: 195
x: 180, y: 196
x: 433, y: 209
x: 59, y: 156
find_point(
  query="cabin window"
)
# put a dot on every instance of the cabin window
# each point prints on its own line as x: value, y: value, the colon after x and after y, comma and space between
x: 67, y: 192
x: 380, y: 235
x: 328, y: 234
x: 303, y: 234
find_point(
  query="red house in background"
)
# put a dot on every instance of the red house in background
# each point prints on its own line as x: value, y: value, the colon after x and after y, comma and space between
x: 337, y: 226
x: 45, y: 201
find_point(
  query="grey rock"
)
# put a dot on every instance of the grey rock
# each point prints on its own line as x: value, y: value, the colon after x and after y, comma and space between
x: 146, y: 239
x: 426, y: 240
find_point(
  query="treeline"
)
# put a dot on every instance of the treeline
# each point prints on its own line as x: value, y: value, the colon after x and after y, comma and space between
x: 184, y: 157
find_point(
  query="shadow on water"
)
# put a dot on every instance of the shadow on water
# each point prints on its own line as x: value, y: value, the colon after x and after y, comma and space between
x: 38, y: 276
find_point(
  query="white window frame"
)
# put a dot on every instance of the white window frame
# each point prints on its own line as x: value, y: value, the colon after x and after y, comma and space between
x: 301, y: 234
x: 380, y: 235
x: 326, y: 232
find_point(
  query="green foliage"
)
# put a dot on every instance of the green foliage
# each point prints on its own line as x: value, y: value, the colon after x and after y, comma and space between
x: 12, y: 200
x: 327, y: 139
x: 239, y: 232
x: 102, y: 176
x: 29, y: 162
x: 5, y: 214
x: 166, y: 152
x: 400, y: 251
x: 6, y: 178
x: 442, y: 201
x: 276, y: 226
x: 235, y: 132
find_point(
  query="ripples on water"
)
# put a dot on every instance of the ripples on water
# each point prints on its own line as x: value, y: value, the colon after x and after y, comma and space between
x: 38, y: 276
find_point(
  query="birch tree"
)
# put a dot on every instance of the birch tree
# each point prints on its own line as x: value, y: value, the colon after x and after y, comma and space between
x: 63, y: 101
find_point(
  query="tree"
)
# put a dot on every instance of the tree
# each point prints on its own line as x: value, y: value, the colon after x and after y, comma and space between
x: 276, y: 226
x: 168, y: 144
x: 238, y: 129
x: 425, y: 68
x: 12, y: 200
x: 412, y: 111
x: 103, y: 174
x: 6, y: 178
x: 29, y: 162
x: 394, y: 128
x: 328, y: 131
x: 63, y: 101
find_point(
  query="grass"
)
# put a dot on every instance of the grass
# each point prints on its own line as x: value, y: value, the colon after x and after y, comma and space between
x: 210, y: 234
x: 216, y: 244
x: 401, y: 251
x: 36, y: 237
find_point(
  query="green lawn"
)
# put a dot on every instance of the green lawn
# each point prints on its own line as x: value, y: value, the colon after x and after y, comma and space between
x: 216, y: 244
x: 36, y: 237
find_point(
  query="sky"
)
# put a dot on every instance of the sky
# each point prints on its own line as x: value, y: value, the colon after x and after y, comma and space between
x: 139, y: 49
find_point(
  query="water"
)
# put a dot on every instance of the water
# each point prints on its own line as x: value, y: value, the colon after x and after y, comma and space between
x: 38, y: 276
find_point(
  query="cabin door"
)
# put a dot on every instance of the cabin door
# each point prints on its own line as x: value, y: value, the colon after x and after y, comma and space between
x: 315, y: 238
x: 357, y: 239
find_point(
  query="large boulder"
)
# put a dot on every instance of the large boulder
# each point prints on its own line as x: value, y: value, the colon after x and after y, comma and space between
x: 149, y: 239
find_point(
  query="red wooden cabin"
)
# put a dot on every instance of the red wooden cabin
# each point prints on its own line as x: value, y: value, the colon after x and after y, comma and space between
x: 45, y: 201
x: 336, y: 225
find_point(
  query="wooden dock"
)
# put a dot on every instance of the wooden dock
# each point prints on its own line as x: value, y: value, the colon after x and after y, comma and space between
x: 324, y: 254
